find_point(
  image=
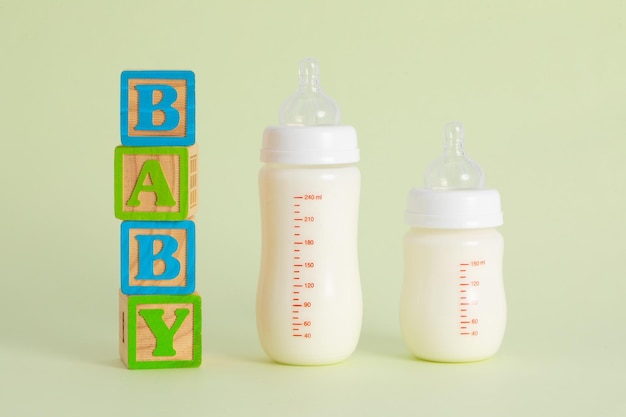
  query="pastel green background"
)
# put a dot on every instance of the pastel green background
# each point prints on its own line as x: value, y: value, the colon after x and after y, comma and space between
x: 540, y: 86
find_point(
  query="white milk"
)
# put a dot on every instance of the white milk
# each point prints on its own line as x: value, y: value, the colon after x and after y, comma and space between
x: 453, y: 306
x: 309, y: 303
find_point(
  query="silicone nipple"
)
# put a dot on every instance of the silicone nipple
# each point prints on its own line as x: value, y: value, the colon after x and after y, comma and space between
x: 309, y: 106
x: 453, y: 170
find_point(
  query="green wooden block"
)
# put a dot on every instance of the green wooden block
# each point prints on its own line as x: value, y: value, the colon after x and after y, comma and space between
x: 156, y: 182
x: 160, y: 331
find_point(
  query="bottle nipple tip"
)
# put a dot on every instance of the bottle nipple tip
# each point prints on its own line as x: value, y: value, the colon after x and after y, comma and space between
x: 309, y: 106
x: 453, y: 131
x: 309, y: 70
x: 454, y: 170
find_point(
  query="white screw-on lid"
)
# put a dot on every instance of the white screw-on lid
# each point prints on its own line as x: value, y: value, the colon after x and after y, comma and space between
x: 453, y: 209
x: 310, y: 145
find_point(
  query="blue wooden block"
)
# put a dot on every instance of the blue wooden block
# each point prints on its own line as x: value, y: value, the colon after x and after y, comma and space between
x: 158, y: 108
x: 158, y: 257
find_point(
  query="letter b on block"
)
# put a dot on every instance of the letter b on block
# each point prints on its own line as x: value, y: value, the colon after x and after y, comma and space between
x: 158, y: 108
x: 156, y: 183
x: 160, y: 331
x: 158, y: 257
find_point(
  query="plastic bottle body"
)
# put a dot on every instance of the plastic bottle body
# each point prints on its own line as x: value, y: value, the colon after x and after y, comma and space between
x: 453, y: 305
x: 309, y: 303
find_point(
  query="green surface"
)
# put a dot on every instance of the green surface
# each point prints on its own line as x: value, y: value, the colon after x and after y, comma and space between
x: 540, y: 87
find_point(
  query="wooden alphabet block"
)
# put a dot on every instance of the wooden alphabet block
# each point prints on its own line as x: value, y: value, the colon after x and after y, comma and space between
x: 158, y: 257
x: 158, y: 108
x: 160, y: 331
x: 156, y: 183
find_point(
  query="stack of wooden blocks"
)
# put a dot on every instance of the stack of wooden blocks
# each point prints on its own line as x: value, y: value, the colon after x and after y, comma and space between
x: 156, y: 179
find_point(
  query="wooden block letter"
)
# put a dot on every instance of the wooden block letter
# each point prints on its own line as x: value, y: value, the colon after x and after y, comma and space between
x: 156, y: 183
x: 158, y: 108
x: 158, y: 257
x: 160, y: 331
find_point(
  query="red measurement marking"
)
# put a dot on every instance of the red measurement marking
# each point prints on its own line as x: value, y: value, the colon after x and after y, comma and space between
x: 295, y: 299
x: 298, y: 265
x: 296, y: 277
x: 295, y: 318
x: 296, y: 234
x: 297, y: 324
x: 296, y: 272
x: 296, y: 292
x: 296, y: 305
x: 296, y: 212
x: 297, y: 226
x: 298, y: 196
x: 463, y: 323
x: 298, y: 220
x: 299, y: 335
x: 295, y: 311
x: 297, y: 285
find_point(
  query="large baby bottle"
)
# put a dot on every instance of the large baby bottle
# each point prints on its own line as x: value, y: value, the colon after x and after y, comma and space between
x: 453, y: 307
x: 309, y: 304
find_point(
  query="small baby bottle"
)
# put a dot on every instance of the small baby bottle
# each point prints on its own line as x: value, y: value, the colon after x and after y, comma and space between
x: 453, y: 306
x: 309, y: 303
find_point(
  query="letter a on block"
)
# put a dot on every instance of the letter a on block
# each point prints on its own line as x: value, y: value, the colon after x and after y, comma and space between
x: 157, y: 108
x: 156, y: 183
x: 160, y: 331
x: 158, y: 257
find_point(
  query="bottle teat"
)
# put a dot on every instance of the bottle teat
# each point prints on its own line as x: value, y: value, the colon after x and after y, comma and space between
x: 309, y: 106
x: 453, y: 170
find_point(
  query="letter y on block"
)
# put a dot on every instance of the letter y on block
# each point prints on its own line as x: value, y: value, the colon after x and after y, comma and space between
x: 160, y: 331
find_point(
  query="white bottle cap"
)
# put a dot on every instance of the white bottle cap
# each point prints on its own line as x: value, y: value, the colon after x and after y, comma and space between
x: 310, y: 133
x: 453, y: 209
x: 310, y: 145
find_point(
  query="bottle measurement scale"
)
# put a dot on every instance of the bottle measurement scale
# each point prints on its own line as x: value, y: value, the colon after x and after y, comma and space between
x: 468, y: 298
x: 303, y: 265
